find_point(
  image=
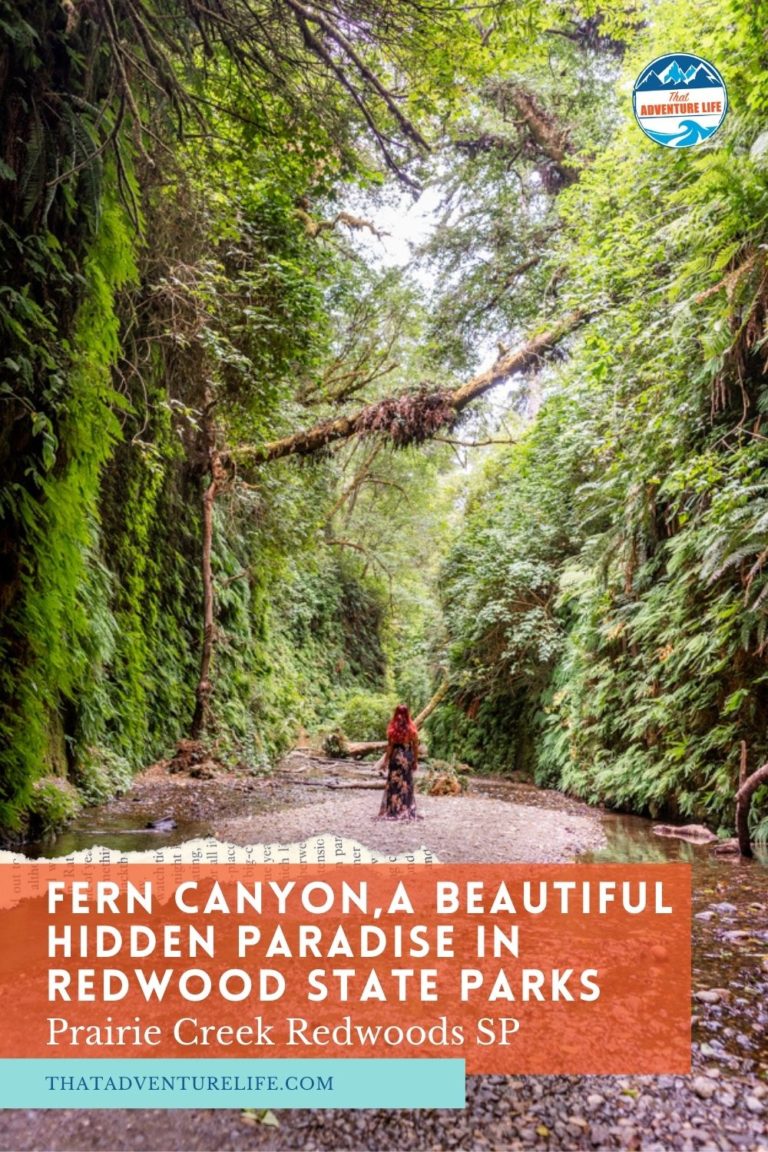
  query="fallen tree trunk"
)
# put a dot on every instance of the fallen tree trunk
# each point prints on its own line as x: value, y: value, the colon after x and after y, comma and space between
x: 333, y: 785
x: 356, y: 751
x: 429, y: 708
x: 418, y: 416
x: 743, y: 802
x: 363, y: 748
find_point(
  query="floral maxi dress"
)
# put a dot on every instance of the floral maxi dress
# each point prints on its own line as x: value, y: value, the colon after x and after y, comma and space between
x: 399, y: 800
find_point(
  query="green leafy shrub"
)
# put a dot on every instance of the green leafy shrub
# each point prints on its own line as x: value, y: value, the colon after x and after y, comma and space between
x: 101, y: 773
x: 53, y: 802
x: 365, y: 715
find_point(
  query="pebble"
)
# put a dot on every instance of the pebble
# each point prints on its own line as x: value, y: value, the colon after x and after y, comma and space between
x: 753, y: 1104
x: 704, y: 1087
x: 707, y: 996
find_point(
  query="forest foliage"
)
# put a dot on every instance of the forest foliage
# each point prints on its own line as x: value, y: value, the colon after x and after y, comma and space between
x: 191, y: 273
x: 606, y: 598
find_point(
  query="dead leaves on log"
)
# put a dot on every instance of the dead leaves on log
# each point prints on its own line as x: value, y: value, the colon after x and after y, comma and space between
x: 410, y: 419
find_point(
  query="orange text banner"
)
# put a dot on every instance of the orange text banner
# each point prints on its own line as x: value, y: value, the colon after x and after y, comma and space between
x: 514, y: 968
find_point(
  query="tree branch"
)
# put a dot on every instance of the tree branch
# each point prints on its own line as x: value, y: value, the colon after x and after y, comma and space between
x: 743, y: 802
x: 315, y: 227
x: 429, y: 708
x: 474, y: 443
x: 545, y: 134
x: 334, y: 33
x: 416, y: 417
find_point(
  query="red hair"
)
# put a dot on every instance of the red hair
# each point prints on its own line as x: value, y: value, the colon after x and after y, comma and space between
x: 401, y: 728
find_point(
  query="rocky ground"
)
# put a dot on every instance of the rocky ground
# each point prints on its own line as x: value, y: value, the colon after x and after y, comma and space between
x: 722, y: 1105
x: 455, y: 828
x: 708, y: 1111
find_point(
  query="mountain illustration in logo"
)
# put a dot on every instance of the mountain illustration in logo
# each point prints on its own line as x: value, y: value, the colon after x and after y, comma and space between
x: 677, y: 71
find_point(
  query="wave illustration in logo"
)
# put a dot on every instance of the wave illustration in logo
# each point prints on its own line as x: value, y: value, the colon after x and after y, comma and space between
x: 689, y: 133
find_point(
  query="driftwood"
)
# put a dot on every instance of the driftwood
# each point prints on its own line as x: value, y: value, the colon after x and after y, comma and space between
x: 333, y: 785
x: 363, y: 748
x: 726, y: 847
x: 693, y: 833
x: 743, y: 802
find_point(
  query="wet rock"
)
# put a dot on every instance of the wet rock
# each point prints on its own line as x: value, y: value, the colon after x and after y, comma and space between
x: 578, y: 1122
x: 164, y: 824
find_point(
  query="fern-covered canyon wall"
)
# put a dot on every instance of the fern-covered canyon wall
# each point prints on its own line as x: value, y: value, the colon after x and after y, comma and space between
x: 606, y: 600
x: 147, y: 311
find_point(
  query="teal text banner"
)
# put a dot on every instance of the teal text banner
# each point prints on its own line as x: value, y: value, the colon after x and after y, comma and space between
x: 231, y: 1083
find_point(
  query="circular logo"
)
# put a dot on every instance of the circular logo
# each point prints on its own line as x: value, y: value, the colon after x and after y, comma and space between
x: 679, y: 100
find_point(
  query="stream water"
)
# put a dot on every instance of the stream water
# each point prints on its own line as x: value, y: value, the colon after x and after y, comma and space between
x: 730, y: 895
x: 730, y: 939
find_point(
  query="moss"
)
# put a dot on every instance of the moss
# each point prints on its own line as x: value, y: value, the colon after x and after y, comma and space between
x: 60, y: 628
